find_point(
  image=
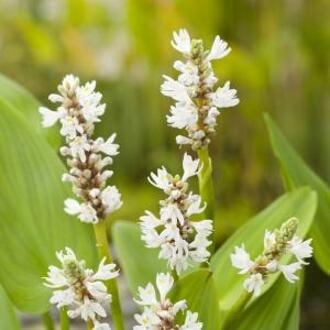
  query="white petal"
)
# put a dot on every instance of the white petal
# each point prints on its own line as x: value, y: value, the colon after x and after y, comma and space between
x: 241, y: 260
x: 72, y: 206
x: 49, y: 117
x: 164, y: 284
x: 219, y: 49
x: 225, y: 97
x: 190, y: 167
x: 254, y: 284
x: 181, y: 41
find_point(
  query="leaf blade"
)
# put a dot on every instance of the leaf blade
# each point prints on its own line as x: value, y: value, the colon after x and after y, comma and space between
x: 298, y: 174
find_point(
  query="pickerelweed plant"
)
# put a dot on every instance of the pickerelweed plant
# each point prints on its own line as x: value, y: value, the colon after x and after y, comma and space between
x: 182, y: 233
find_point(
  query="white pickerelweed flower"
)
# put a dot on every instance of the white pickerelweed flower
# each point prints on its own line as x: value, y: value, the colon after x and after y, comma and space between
x: 278, y: 243
x: 181, y: 241
x: 79, y: 109
x: 80, y: 289
x: 198, y: 102
x: 159, y: 312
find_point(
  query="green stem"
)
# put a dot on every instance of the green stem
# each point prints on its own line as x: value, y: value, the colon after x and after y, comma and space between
x: 48, y: 321
x: 175, y: 275
x: 236, y: 310
x: 90, y: 325
x: 64, y: 319
x: 206, y: 188
x: 100, y: 230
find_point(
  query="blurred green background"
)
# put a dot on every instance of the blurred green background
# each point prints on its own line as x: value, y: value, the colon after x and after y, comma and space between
x: 279, y: 64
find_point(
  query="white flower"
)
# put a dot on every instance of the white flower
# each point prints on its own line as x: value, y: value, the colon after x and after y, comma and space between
x: 289, y: 271
x: 174, y: 89
x: 159, y: 312
x: 173, y: 213
x: 111, y: 199
x: 194, y: 90
x: 70, y: 127
x: 181, y: 41
x: 87, y: 310
x: 80, y: 108
x: 108, y: 147
x: 241, y: 260
x: 272, y: 266
x: 190, y: 167
x: 161, y: 179
x: 219, y: 49
x: 191, y: 322
x: 105, y: 272
x: 203, y: 227
x: 301, y: 249
x: 69, y: 84
x: 164, y: 284
x: 147, y: 320
x: 269, y: 240
x: 182, y: 242
x: 49, y: 117
x: 180, y: 139
x: 61, y: 298
x: 183, y: 115
x: 147, y: 295
x: 225, y: 97
x: 277, y: 244
x: 189, y: 73
x: 78, y: 288
x: 79, y: 146
x: 85, y: 212
x: 211, y: 118
x: 101, y: 326
x: 254, y: 283
x: 194, y: 202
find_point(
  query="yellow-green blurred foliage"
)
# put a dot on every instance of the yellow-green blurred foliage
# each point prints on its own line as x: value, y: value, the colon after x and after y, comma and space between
x: 279, y: 63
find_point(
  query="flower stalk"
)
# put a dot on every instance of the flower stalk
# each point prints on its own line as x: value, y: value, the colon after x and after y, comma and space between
x: 48, y: 321
x: 102, y: 244
x: 236, y: 309
x: 64, y: 319
x: 206, y: 187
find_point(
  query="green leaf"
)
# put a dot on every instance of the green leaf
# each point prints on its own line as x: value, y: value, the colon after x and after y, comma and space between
x: 272, y: 311
x: 9, y: 320
x: 297, y: 173
x: 199, y: 290
x: 300, y: 203
x: 25, y: 103
x: 33, y: 224
x: 140, y: 264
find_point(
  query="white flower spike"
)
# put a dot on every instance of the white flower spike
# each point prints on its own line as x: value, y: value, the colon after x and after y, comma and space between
x: 79, y: 109
x: 198, y: 102
x: 182, y: 242
x: 159, y: 312
x: 278, y: 243
x: 79, y: 289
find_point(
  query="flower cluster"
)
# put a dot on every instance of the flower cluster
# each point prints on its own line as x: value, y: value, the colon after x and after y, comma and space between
x: 181, y: 240
x: 197, y: 101
x: 159, y: 312
x: 78, y: 111
x: 278, y: 243
x: 81, y: 290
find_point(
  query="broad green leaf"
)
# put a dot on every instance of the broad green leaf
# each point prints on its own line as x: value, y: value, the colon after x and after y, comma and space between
x: 198, y: 289
x: 274, y: 310
x: 33, y: 224
x: 140, y: 264
x: 8, y: 317
x: 300, y: 203
x: 25, y: 103
x: 297, y: 173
